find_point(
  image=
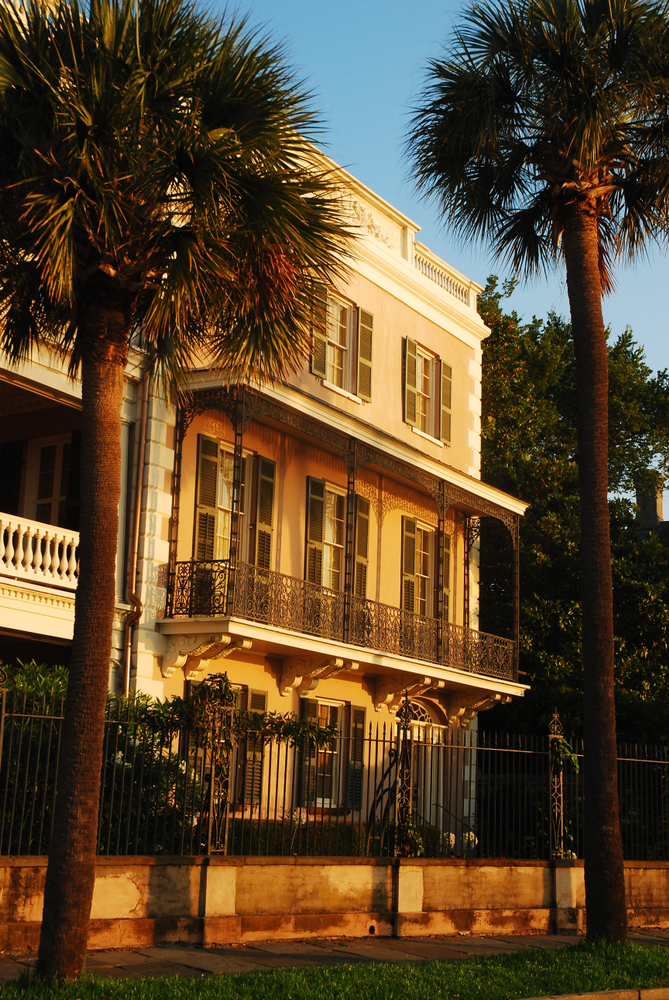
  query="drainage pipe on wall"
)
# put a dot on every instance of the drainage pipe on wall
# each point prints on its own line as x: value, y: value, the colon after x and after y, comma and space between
x: 133, y: 596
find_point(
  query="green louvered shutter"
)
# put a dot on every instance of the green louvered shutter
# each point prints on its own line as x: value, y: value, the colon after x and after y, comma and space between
x: 356, y: 747
x: 365, y: 336
x: 445, y: 409
x: 309, y: 756
x: 206, y: 509
x: 257, y: 702
x: 315, y: 529
x: 410, y: 385
x: 361, y: 546
x: 319, y: 339
x: 265, y: 513
x: 446, y: 608
x: 408, y: 564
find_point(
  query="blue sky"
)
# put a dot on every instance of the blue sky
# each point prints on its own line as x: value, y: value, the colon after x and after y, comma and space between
x: 364, y: 62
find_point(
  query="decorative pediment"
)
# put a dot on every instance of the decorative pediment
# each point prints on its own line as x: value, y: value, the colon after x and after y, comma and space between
x: 304, y: 672
x: 391, y: 688
x: 194, y: 652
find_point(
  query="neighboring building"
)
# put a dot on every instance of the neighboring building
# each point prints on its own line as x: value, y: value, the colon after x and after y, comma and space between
x: 316, y: 539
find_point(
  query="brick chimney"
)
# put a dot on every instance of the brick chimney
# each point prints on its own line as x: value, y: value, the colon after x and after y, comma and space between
x: 650, y: 509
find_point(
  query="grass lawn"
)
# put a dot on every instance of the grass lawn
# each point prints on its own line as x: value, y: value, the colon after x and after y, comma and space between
x: 582, y: 968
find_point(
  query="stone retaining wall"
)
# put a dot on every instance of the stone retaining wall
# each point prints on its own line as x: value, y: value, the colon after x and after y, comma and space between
x: 144, y: 901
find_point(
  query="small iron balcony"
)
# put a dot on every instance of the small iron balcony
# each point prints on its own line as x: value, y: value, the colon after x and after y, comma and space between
x: 207, y: 589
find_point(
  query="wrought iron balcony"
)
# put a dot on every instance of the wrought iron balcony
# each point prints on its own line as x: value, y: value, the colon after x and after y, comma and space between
x: 208, y: 589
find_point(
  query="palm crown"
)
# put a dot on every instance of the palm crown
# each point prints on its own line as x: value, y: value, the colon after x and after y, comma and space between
x: 537, y: 106
x: 158, y: 161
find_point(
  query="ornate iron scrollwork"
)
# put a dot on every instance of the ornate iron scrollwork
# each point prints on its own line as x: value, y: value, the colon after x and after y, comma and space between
x: 403, y: 788
x: 555, y: 738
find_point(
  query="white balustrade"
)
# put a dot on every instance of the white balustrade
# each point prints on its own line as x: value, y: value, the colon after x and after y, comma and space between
x: 41, y: 553
x: 438, y: 272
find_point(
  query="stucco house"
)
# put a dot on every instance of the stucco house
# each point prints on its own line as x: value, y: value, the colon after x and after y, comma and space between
x: 317, y: 539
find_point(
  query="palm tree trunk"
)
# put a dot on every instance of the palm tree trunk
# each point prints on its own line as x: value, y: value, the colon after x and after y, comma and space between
x: 606, y: 912
x: 70, y: 874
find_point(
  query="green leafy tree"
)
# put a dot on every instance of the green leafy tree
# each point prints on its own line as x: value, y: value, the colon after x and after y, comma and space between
x: 541, y: 131
x: 530, y: 449
x: 157, y: 188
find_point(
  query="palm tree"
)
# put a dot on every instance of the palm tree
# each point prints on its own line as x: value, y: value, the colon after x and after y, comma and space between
x: 157, y: 183
x: 537, y: 132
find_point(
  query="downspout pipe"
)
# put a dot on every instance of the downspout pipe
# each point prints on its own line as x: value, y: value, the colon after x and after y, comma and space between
x: 132, y: 595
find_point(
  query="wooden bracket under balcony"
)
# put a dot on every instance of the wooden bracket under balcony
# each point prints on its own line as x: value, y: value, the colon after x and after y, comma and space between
x: 304, y: 673
x: 195, y: 652
x: 461, y: 715
x: 391, y: 688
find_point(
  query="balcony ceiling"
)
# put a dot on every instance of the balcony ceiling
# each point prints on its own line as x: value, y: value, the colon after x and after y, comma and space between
x: 15, y: 400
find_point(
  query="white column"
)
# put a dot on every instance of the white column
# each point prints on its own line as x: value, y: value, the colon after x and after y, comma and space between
x: 474, y: 408
x: 154, y: 546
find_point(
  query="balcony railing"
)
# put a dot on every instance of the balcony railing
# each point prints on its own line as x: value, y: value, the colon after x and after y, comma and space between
x: 276, y: 599
x: 39, y: 553
x: 202, y: 589
x: 379, y: 626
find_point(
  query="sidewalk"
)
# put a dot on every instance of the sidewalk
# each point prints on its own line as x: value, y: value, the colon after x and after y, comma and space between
x: 260, y: 956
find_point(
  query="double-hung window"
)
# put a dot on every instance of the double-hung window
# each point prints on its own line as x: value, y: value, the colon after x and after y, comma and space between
x: 417, y: 568
x: 427, y: 392
x: 333, y: 775
x: 326, y: 534
x: 213, y: 508
x: 342, y: 337
x: 338, y: 332
x: 52, y: 492
x: 213, y: 515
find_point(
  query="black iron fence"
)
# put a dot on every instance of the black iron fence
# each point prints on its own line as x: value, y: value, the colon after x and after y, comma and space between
x: 404, y: 787
x: 209, y: 588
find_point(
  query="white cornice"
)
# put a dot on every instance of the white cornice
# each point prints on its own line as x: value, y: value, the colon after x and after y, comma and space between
x: 405, y: 283
x: 44, y: 596
x: 44, y: 375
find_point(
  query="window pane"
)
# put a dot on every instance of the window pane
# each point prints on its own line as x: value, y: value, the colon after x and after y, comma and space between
x: 423, y: 384
x: 43, y: 512
x: 47, y: 468
x: 334, y: 518
x: 337, y: 348
x: 65, y: 469
x: 336, y: 373
x: 332, y: 567
x: 423, y: 567
x: 225, y: 480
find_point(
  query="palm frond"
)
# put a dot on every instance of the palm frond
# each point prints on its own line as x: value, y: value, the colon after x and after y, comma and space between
x: 538, y: 103
x: 157, y: 153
